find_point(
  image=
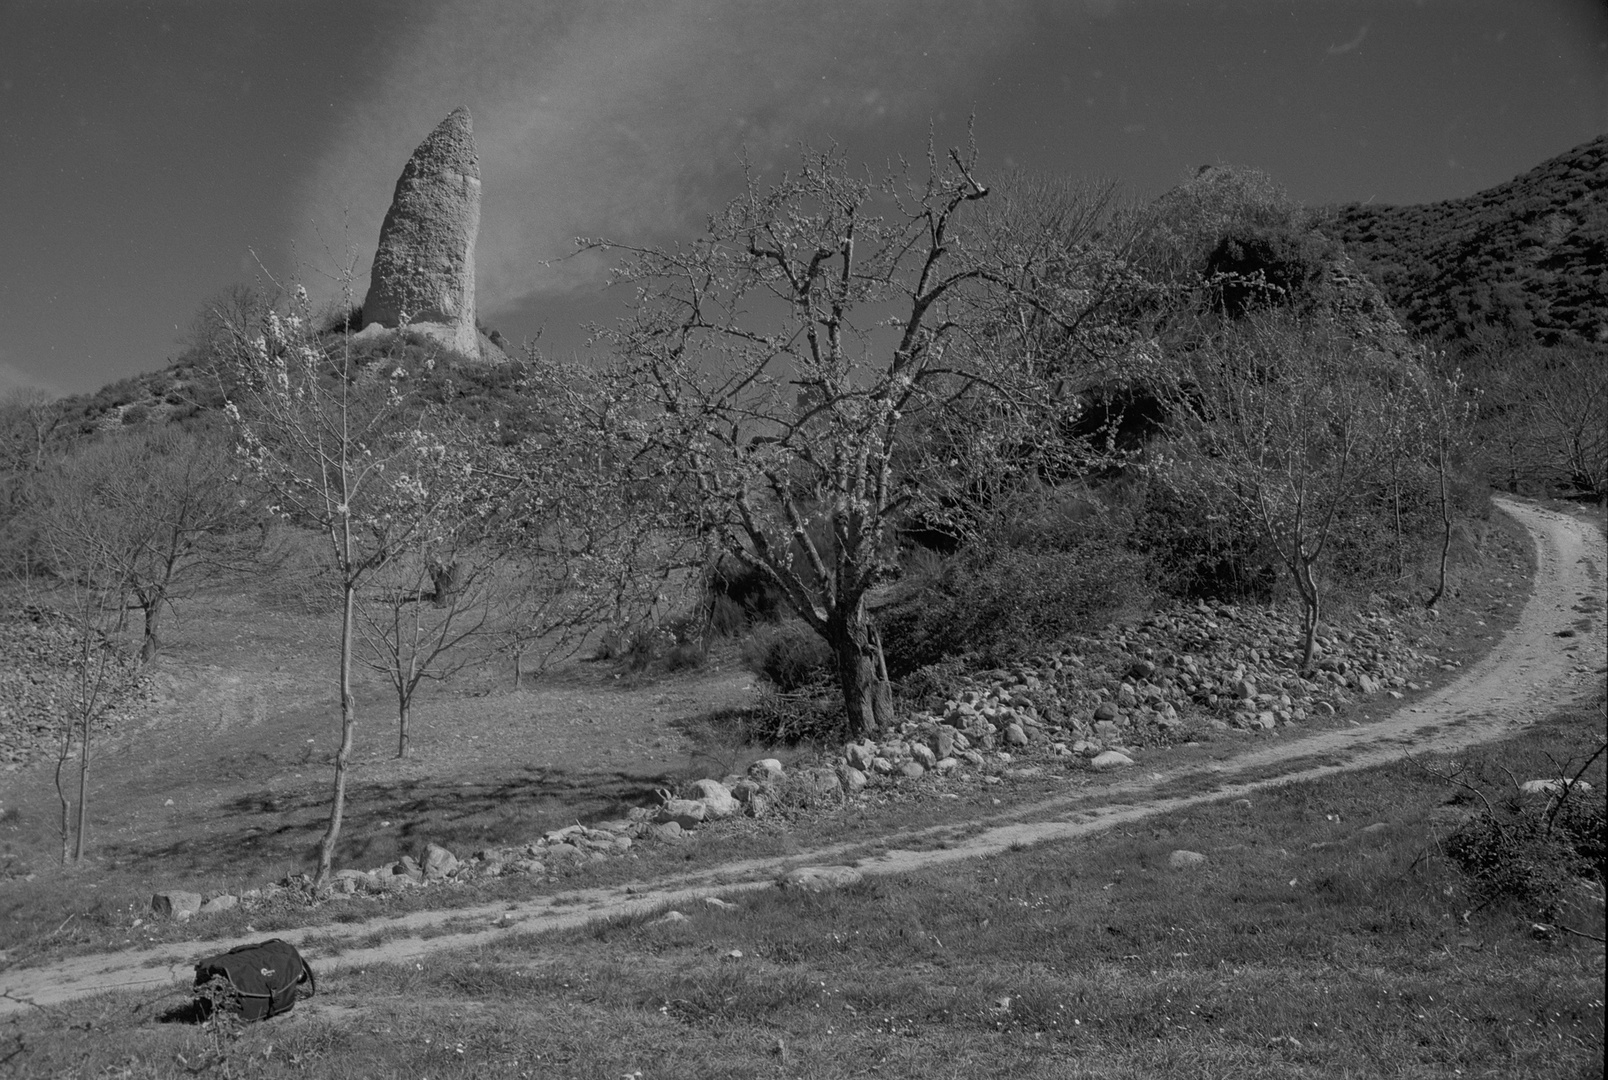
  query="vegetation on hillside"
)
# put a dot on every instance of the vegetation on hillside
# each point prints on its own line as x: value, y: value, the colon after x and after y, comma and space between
x: 1529, y: 256
x: 936, y: 420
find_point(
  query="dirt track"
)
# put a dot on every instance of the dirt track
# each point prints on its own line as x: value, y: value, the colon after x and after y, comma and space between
x: 1529, y: 673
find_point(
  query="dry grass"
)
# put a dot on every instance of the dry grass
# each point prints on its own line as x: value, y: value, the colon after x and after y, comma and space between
x: 1308, y: 946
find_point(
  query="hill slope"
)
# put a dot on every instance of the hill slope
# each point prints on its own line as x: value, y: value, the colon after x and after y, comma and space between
x: 1530, y: 255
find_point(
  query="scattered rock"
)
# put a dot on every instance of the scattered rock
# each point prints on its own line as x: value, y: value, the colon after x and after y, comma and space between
x: 819, y: 878
x: 222, y: 902
x: 176, y: 904
x: 717, y: 799
x: 1110, y: 759
x: 687, y: 813
x: 438, y: 862
x: 765, y: 769
x: 669, y: 918
x: 1555, y: 786
x: 816, y: 786
x: 1185, y: 860
x: 670, y: 832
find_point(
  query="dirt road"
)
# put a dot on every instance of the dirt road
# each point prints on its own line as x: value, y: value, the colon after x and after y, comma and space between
x: 1554, y: 655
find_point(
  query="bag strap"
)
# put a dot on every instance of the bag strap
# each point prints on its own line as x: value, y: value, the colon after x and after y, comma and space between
x: 307, y: 977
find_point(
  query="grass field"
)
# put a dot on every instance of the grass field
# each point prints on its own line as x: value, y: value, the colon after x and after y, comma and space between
x: 1326, y: 935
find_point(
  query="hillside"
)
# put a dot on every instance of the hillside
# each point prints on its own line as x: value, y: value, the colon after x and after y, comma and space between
x: 1530, y: 255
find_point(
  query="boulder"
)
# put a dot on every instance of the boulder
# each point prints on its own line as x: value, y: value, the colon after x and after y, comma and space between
x: 860, y: 754
x: 1185, y: 860
x: 438, y: 862
x: 176, y: 904
x: 1110, y: 759
x: 423, y: 275
x: 1554, y: 786
x: 819, y: 878
x: 687, y: 813
x: 765, y: 769
x: 744, y: 790
x: 817, y: 785
x: 222, y: 902
x: 854, y: 780
x: 717, y: 799
x: 669, y: 832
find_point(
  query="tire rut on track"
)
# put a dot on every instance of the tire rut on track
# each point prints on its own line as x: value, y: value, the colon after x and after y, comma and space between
x: 1531, y: 672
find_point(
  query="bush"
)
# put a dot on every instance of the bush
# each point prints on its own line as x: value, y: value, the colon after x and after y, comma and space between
x: 1256, y: 265
x: 992, y: 600
x: 1533, y: 852
x: 789, y: 719
x: 739, y: 596
x: 676, y: 644
x: 792, y: 658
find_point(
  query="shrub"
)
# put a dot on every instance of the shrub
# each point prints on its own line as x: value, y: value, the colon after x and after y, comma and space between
x: 789, y: 719
x: 1533, y: 852
x: 676, y: 644
x: 991, y: 600
x: 736, y: 591
x: 792, y: 658
x: 1258, y: 265
x: 1197, y: 553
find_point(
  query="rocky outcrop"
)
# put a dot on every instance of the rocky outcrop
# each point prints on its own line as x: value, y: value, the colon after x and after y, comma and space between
x: 424, y: 268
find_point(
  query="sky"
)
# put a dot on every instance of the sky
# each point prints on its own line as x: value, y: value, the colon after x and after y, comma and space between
x: 154, y: 154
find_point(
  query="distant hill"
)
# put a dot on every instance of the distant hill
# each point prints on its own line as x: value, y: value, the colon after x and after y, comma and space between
x: 1529, y: 256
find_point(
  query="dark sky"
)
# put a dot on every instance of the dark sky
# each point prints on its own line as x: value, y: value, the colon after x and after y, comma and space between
x: 151, y: 154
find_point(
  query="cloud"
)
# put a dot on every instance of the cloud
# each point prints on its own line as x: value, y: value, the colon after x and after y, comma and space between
x: 14, y: 379
x: 1347, y: 46
x: 628, y: 119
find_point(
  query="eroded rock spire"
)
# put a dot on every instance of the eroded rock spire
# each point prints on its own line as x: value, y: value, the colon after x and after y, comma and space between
x: 424, y: 268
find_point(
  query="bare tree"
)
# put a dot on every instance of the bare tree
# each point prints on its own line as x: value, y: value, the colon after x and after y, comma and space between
x: 81, y: 611
x: 1280, y: 424
x: 1448, y: 409
x: 836, y: 355
x: 418, y: 613
x: 1568, y: 398
x: 337, y: 444
x: 153, y: 510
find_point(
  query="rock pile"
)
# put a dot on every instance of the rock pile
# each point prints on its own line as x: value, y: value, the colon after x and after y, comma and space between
x: 1178, y: 672
x: 38, y: 683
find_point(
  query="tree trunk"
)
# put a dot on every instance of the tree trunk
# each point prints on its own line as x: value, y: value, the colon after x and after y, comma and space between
x: 867, y: 699
x: 152, y: 643
x: 66, y: 804
x: 1446, y: 533
x: 326, y: 849
x: 404, y: 715
x: 83, y: 793
x: 1310, y: 610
